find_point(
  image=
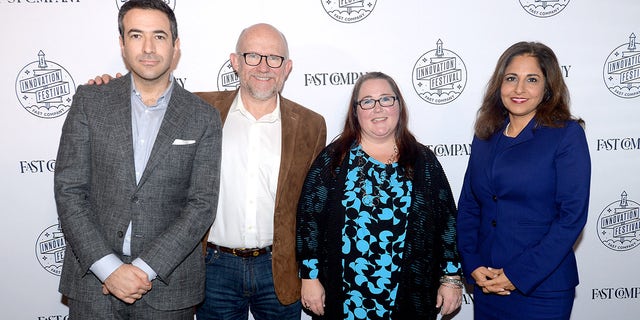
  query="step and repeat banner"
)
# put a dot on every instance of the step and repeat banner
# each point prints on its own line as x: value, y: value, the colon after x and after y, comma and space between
x: 52, y: 46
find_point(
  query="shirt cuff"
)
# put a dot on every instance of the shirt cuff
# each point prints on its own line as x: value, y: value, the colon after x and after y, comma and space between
x: 145, y: 267
x: 104, y: 267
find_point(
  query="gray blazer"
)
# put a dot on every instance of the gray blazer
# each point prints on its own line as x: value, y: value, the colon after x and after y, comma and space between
x: 171, y: 207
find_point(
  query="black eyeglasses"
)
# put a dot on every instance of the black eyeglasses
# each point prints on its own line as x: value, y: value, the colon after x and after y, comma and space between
x: 368, y: 103
x: 253, y: 59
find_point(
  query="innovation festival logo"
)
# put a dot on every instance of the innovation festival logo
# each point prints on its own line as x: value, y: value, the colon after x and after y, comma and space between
x: 228, y: 78
x: 50, y: 248
x: 348, y: 11
x: 439, y: 76
x: 44, y: 88
x: 619, y: 224
x: 621, y: 71
x: 543, y: 8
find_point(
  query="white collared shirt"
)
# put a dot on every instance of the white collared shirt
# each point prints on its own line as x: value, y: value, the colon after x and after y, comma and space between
x: 248, y: 178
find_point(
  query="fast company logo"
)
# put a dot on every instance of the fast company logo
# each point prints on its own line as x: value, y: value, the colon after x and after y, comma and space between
x: 439, y: 76
x: 227, y: 78
x: 543, y: 8
x: 38, y: 166
x: 44, y: 88
x: 619, y: 224
x: 29, y: 2
x: 50, y: 248
x: 451, y: 150
x: 621, y: 71
x: 348, y: 11
x: 54, y: 317
x: 332, y: 78
x: 618, y: 144
x: 171, y: 3
x: 615, y: 293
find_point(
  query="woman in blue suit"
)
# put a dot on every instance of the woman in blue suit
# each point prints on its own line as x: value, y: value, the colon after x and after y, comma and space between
x: 525, y: 195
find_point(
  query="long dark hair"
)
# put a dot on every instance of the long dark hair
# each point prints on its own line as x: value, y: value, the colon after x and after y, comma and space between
x: 552, y: 111
x: 352, y: 132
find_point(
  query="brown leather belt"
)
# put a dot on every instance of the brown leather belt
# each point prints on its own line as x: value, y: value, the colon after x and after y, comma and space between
x: 241, y: 252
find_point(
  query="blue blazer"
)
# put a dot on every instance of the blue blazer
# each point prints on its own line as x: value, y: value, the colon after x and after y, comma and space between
x: 523, y: 204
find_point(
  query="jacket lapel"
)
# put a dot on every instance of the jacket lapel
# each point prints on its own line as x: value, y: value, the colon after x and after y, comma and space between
x: 289, y: 127
x: 224, y: 105
x: 122, y: 132
x: 526, y: 134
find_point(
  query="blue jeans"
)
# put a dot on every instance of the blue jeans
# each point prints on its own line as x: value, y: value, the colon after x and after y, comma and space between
x: 236, y: 285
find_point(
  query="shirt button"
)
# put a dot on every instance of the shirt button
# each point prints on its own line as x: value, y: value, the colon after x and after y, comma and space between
x: 120, y: 234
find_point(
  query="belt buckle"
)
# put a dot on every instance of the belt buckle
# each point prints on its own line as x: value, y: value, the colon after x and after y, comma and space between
x: 244, y: 252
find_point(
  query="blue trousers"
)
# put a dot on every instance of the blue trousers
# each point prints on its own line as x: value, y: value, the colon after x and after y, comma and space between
x: 238, y: 285
x: 537, y: 306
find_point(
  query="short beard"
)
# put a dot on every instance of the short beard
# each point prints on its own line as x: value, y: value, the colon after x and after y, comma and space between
x: 263, y: 95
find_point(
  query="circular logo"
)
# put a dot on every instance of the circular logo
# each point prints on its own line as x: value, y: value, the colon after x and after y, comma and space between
x: 621, y: 71
x: 543, y: 8
x: 171, y: 3
x: 44, y: 88
x: 348, y: 11
x: 439, y: 76
x: 618, y: 225
x: 227, y: 78
x: 50, y: 249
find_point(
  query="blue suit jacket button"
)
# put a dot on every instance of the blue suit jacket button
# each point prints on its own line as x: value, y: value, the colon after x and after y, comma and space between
x: 495, y: 198
x: 493, y: 223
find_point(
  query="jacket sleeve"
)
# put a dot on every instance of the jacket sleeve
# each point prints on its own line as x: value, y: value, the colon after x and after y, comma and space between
x: 310, y: 218
x: 72, y: 185
x: 446, y: 207
x: 468, y: 224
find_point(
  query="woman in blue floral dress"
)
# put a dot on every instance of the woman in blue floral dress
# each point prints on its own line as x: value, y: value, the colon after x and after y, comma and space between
x: 376, y: 219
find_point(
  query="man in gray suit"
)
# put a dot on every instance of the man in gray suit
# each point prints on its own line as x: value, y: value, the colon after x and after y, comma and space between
x: 136, y: 182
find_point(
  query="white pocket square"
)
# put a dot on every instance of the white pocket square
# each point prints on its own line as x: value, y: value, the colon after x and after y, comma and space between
x: 180, y: 142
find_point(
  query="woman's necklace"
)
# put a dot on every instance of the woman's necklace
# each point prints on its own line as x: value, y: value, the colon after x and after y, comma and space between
x: 392, y: 157
x: 506, y: 130
x: 516, y: 132
x: 371, y: 199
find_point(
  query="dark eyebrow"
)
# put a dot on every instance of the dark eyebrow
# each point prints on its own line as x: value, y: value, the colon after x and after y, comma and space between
x: 154, y: 32
x: 528, y: 75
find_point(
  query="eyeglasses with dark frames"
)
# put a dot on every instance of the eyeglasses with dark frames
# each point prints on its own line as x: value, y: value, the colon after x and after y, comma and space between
x: 253, y: 59
x: 369, y: 103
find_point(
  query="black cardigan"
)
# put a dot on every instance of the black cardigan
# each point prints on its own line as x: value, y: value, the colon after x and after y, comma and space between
x: 430, y: 238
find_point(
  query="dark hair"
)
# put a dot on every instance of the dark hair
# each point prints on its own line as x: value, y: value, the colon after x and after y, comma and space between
x: 149, y: 5
x: 552, y: 111
x: 405, y: 141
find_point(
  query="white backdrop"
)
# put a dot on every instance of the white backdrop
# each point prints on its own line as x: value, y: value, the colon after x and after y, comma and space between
x: 52, y: 46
